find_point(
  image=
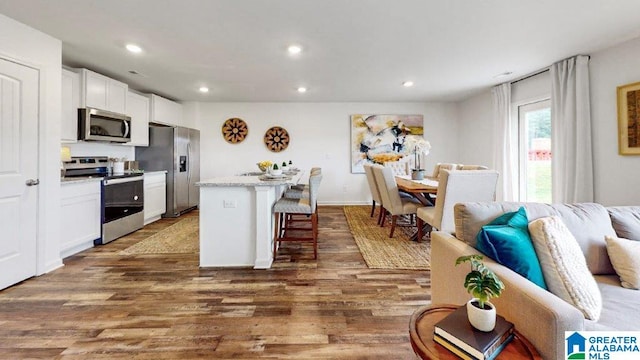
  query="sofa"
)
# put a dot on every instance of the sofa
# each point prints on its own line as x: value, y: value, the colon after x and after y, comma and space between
x: 539, y: 315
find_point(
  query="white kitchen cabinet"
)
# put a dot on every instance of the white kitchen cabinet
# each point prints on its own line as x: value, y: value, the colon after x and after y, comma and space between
x: 165, y: 111
x: 138, y: 107
x: 70, y: 104
x: 80, y: 216
x: 155, y: 195
x: 102, y: 92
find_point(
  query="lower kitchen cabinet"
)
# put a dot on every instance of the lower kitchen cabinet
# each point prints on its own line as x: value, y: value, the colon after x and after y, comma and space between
x: 80, y: 216
x: 155, y: 195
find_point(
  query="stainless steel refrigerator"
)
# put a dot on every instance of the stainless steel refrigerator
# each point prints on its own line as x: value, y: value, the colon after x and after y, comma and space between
x: 176, y: 150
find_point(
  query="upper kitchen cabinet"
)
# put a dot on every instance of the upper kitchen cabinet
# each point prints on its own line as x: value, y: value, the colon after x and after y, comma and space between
x: 165, y: 111
x: 138, y: 108
x: 101, y: 92
x: 70, y: 105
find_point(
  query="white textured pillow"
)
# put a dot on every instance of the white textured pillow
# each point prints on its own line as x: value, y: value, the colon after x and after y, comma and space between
x: 625, y: 257
x: 564, y: 266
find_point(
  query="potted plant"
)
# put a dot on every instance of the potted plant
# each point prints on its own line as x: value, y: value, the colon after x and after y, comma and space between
x: 275, y: 170
x: 483, y: 284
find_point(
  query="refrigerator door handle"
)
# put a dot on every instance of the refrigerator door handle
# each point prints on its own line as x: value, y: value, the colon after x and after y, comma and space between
x: 188, y: 162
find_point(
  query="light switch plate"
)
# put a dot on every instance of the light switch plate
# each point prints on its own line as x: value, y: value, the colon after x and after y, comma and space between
x: 230, y: 203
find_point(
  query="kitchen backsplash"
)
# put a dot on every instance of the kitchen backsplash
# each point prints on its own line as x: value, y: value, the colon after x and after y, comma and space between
x: 102, y: 149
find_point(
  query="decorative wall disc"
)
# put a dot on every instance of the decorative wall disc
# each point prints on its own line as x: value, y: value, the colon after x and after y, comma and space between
x: 276, y: 139
x: 235, y: 130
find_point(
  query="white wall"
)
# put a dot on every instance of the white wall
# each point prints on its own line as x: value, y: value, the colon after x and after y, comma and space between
x: 617, y: 177
x: 30, y: 47
x: 320, y: 136
x: 476, y: 135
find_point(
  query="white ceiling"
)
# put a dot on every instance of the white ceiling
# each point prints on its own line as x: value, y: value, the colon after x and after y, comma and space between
x: 354, y: 50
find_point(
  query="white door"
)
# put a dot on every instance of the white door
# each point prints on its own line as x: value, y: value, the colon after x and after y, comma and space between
x: 18, y: 168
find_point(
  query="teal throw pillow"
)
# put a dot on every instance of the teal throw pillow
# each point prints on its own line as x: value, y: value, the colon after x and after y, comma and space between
x: 506, y: 240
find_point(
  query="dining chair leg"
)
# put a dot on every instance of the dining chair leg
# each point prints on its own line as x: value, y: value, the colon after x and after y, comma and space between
x: 419, y: 224
x: 373, y: 207
x: 394, y: 218
x: 384, y: 217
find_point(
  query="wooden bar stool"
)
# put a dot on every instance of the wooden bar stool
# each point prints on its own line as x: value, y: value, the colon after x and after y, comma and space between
x: 285, y: 208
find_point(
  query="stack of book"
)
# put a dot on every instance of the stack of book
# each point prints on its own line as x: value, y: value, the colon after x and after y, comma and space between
x: 455, y: 333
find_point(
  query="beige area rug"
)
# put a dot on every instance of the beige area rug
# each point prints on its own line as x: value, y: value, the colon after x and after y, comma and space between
x: 381, y: 252
x: 179, y: 238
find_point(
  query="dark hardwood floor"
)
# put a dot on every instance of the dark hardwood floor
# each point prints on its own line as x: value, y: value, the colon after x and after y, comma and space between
x: 102, y: 305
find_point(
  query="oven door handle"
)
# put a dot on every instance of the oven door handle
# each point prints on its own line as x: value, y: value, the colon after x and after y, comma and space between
x: 123, y: 180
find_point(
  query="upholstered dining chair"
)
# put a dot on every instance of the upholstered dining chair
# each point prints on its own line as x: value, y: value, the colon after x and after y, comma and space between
x: 392, y: 202
x: 400, y: 167
x: 373, y: 188
x: 443, y: 166
x: 285, y: 208
x: 473, y: 167
x: 454, y: 187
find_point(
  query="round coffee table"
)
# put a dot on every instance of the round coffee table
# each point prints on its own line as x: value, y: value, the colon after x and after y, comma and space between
x: 421, y: 333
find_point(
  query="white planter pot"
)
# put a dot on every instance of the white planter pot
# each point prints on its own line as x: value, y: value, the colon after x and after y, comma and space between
x: 481, y: 319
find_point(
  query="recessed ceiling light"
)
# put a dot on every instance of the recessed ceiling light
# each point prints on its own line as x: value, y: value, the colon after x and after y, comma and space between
x: 204, y: 89
x: 134, y: 48
x: 407, y: 84
x: 294, y: 49
x: 302, y: 89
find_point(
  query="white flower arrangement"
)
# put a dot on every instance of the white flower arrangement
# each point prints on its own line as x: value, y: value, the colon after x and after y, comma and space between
x: 417, y: 145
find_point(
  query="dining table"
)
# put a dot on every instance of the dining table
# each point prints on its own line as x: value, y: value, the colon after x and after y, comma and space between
x: 424, y: 190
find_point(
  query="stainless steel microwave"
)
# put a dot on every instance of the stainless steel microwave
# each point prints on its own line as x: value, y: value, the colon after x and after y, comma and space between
x: 101, y: 125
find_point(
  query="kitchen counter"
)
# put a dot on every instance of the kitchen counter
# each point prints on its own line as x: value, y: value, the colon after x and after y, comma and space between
x: 79, y: 179
x: 236, y: 221
x: 154, y: 172
x: 243, y: 180
x: 82, y: 179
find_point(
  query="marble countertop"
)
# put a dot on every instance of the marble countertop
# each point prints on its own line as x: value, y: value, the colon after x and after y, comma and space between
x: 249, y: 181
x: 77, y: 180
x: 82, y: 179
x: 155, y: 172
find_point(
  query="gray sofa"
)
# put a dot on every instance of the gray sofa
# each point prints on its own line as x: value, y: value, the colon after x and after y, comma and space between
x: 538, y: 314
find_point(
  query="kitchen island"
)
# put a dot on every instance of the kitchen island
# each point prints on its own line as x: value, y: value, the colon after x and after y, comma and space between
x: 236, y: 220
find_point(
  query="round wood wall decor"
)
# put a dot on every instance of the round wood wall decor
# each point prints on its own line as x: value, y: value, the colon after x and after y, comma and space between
x: 235, y: 130
x: 276, y: 139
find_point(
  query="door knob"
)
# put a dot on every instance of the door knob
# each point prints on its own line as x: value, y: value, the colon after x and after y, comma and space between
x: 32, y: 182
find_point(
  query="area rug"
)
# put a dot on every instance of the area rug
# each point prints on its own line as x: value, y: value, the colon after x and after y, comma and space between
x: 381, y: 252
x: 179, y: 238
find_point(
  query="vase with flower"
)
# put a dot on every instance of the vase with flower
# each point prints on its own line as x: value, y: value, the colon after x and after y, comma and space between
x: 418, y: 147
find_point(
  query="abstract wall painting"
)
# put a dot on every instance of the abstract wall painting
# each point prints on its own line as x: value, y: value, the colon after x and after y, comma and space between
x: 382, y: 138
x: 629, y: 119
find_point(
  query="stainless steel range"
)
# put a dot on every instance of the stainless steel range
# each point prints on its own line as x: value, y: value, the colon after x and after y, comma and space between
x: 122, y: 196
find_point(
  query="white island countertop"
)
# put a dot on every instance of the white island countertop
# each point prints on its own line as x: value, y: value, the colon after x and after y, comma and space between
x: 241, y: 180
x: 237, y: 221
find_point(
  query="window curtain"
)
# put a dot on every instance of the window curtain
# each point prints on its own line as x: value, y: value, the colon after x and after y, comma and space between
x: 504, y: 150
x: 572, y: 165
